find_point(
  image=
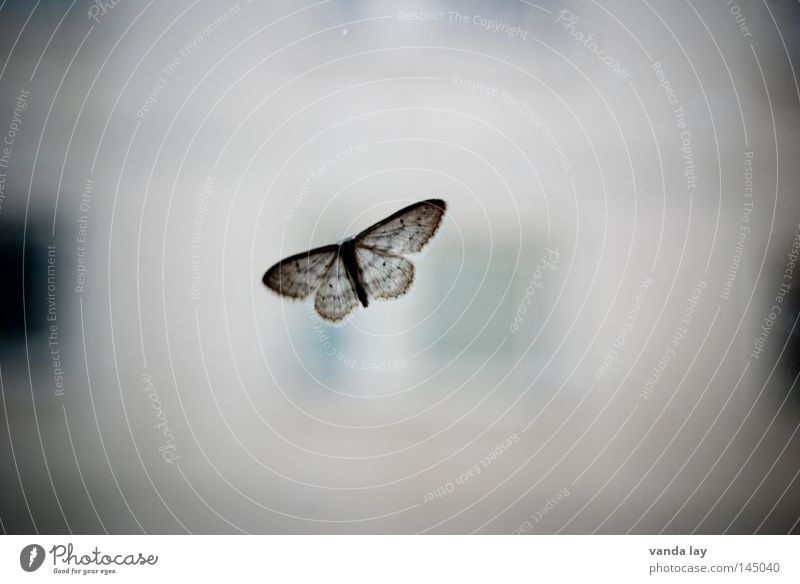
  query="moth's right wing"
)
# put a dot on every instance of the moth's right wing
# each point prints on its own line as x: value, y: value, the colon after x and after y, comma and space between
x: 384, y: 275
x: 407, y: 230
x: 299, y: 275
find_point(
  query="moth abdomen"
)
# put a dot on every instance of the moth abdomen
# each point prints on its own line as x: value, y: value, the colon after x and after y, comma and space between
x: 347, y: 251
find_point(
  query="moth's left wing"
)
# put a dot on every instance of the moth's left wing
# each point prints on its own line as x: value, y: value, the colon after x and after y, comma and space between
x: 299, y: 275
x: 406, y: 231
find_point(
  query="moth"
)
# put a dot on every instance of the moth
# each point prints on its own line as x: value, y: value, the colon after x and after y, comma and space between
x: 373, y: 264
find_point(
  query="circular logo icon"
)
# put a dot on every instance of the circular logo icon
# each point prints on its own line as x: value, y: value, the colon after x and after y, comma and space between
x: 31, y: 557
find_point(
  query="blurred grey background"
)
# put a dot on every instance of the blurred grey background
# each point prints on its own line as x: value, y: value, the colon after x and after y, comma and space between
x: 602, y: 339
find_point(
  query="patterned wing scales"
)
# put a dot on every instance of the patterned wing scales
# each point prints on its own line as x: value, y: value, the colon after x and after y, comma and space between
x: 335, y: 297
x: 370, y: 264
x: 299, y: 275
x: 406, y: 231
x: 384, y: 275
